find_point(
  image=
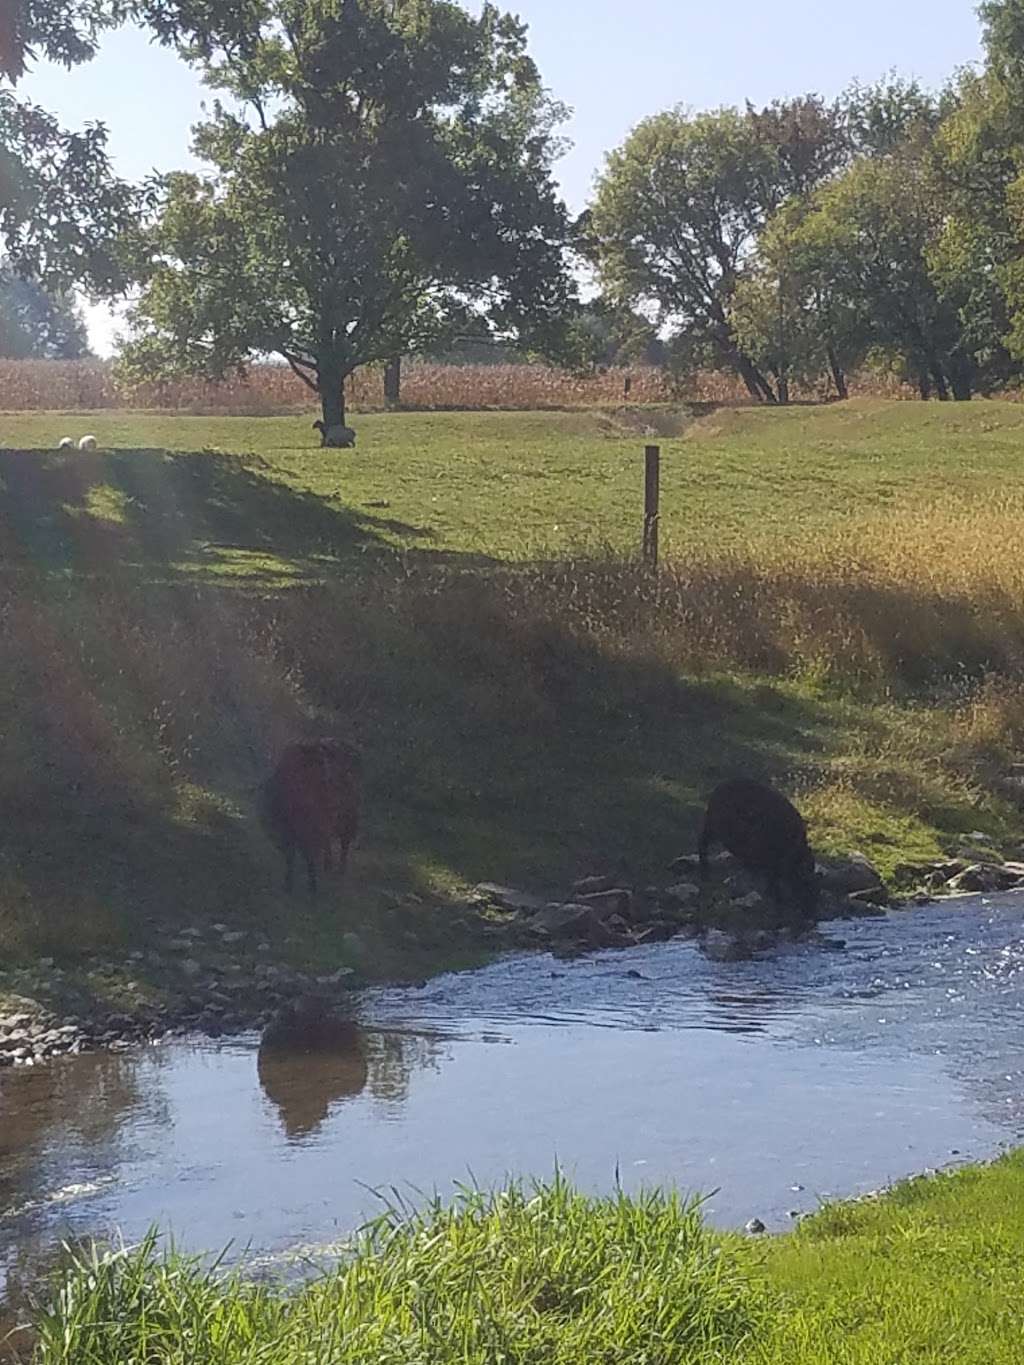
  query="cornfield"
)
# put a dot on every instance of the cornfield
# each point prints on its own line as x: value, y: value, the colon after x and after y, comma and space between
x: 50, y: 385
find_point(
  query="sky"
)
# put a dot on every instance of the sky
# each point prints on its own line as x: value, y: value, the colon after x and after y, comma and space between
x: 611, y: 62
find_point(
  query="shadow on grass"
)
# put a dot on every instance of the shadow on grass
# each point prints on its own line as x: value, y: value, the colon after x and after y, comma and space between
x: 137, y: 725
x: 160, y: 515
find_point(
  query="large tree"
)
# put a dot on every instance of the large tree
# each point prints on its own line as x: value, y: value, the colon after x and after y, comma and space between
x: 381, y: 172
x: 980, y: 159
x: 789, y: 318
x: 876, y: 236
x: 682, y: 203
x: 875, y: 259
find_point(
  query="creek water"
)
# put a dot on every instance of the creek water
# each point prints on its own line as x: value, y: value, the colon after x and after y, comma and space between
x: 767, y: 1085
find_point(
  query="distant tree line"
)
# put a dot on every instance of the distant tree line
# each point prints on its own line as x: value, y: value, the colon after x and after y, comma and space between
x: 37, y: 324
x: 378, y: 182
x: 793, y: 243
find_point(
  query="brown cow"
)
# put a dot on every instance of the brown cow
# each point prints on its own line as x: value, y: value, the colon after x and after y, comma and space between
x: 310, y: 802
x: 767, y: 834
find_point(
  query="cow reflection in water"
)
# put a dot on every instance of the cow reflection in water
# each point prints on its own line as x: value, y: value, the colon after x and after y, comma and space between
x: 310, y: 1058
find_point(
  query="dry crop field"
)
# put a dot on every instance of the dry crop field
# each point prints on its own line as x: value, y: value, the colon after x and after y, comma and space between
x: 84, y: 385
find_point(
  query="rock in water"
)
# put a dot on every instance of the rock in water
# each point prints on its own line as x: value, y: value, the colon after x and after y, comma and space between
x: 509, y: 897
x: 722, y: 947
x: 845, y: 875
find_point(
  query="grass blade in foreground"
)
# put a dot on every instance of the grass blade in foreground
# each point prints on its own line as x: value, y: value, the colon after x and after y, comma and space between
x: 933, y: 1273
x: 545, y: 1276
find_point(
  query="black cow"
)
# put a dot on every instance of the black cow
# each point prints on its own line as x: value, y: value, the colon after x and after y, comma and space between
x: 767, y: 834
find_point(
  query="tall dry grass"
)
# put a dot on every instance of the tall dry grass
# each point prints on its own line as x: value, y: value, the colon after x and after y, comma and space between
x: 51, y: 385
x: 115, y: 675
x: 136, y: 717
x: 908, y: 602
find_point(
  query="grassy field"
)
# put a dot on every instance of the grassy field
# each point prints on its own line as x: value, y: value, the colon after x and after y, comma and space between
x: 932, y: 1273
x: 841, y: 609
x: 522, y: 485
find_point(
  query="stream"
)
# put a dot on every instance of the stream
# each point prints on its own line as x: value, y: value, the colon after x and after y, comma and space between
x: 767, y: 1085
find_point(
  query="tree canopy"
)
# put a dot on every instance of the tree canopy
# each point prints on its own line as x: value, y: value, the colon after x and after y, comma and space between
x: 64, y: 31
x: 796, y: 241
x: 682, y: 204
x: 378, y: 179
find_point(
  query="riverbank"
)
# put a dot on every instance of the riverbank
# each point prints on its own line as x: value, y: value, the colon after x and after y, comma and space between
x: 930, y: 1271
x: 220, y: 982
x: 532, y: 705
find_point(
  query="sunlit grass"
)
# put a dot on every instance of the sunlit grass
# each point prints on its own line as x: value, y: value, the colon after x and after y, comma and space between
x: 540, y: 1276
x: 536, y: 483
x: 545, y: 1275
x: 932, y: 1274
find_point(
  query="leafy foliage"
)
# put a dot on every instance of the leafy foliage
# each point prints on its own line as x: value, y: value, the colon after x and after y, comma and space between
x: 65, y: 31
x: 606, y: 334
x: 877, y: 236
x: 790, y: 242
x: 683, y: 203
x: 61, y: 207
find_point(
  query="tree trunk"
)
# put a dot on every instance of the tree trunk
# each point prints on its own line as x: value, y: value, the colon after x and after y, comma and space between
x: 393, y: 384
x: 782, y: 386
x: 757, y: 386
x: 838, y: 375
x: 332, y: 395
x: 924, y: 386
x: 961, y: 380
x: 939, y: 380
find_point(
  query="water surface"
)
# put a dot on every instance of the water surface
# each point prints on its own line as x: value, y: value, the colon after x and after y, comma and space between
x: 772, y: 1084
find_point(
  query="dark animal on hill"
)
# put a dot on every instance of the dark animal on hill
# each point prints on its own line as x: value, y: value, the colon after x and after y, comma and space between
x: 338, y: 437
x: 767, y: 834
x: 310, y: 803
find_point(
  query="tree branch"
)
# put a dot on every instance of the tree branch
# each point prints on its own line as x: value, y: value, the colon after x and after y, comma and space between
x: 296, y: 366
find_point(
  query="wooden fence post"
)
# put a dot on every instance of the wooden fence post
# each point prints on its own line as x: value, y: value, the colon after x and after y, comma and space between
x: 652, y: 482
